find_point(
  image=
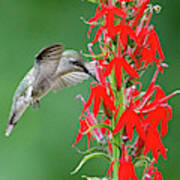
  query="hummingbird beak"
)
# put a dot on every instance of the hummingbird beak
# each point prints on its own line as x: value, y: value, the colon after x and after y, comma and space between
x: 86, y: 69
x: 89, y: 73
x: 94, y: 77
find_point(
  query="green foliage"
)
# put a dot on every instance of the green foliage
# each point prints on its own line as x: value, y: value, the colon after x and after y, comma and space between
x: 90, y: 156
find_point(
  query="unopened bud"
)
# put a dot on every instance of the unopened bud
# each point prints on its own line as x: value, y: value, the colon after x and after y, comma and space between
x: 157, y: 8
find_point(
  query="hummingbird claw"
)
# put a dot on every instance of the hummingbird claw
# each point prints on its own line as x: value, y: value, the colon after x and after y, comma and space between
x: 38, y: 103
x: 35, y: 103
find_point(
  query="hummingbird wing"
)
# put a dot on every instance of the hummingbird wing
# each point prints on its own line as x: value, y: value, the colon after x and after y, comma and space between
x: 73, y: 78
x: 46, y: 63
x: 69, y: 79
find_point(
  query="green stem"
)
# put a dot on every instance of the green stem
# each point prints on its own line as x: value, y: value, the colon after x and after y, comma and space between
x: 116, y: 138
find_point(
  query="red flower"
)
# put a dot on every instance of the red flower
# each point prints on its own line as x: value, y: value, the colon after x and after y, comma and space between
x: 152, y: 46
x: 119, y: 63
x: 99, y: 94
x: 153, y: 171
x: 153, y: 109
x: 126, y: 170
x: 127, y: 43
x: 157, y: 176
x: 130, y: 119
x: 125, y: 30
x: 159, y: 115
x: 83, y: 128
x: 139, y: 12
x: 153, y: 142
x: 109, y: 12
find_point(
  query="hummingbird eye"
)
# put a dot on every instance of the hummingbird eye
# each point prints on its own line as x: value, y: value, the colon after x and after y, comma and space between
x: 76, y: 63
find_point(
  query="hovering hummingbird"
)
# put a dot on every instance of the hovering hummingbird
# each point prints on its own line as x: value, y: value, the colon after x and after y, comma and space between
x: 54, y: 69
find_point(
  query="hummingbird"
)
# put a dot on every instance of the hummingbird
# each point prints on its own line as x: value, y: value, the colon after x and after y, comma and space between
x: 54, y: 68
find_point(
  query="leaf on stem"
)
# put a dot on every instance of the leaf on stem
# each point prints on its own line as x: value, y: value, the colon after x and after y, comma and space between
x: 88, y: 157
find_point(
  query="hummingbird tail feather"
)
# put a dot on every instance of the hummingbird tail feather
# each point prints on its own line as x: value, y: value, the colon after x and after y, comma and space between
x: 9, y: 129
x: 11, y: 124
x: 15, y: 115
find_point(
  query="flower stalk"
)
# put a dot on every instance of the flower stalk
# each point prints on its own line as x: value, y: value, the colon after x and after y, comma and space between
x: 117, y: 139
x: 125, y: 120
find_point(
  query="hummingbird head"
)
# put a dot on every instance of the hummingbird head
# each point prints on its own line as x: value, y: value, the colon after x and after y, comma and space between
x: 74, y: 62
x: 73, y: 59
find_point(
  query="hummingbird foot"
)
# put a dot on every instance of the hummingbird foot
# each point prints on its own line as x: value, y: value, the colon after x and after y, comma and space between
x: 35, y: 104
x: 38, y: 103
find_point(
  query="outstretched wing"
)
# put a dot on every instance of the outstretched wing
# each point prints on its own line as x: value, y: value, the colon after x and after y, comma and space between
x: 69, y: 79
x: 73, y: 78
x: 46, y: 63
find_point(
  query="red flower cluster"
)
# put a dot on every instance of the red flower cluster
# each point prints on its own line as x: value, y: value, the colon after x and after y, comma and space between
x: 152, y: 171
x: 128, y: 46
x: 126, y: 168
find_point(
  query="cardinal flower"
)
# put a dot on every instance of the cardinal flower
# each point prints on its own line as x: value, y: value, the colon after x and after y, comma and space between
x: 152, y: 171
x: 128, y: 120
x: 139, y: 11
x: 126, y: 168
x: 157, y: 176
x: 100, y: 95
x: 108, y: 11
x: 83, y: 128
x: 153, y: 142
x: 152, y: 46
x: 119, y: 64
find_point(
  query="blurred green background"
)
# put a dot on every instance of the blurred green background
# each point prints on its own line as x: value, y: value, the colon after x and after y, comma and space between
x: 40, y: 146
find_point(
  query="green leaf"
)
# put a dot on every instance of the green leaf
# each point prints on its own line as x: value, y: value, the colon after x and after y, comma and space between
x: 89, y: 151
x: 98, y: 126
x: 88, y: 157
x: 142, y: 161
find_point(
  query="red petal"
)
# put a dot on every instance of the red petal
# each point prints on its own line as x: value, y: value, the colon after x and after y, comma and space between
x: 97, y: 101
x: 119, y: 12
x: 158, y: 176
x: 98, y: 34
x: 120, y: 123
x: 98, y: 15
x: 129, y: 126
x: 110, y: 170
x: 158, y: 46
x: 90, y: 29
x: 153, y: 142
x: 140, y: 13
x: 78, y: 138
x: 127, y: 171
x: 118, y: 74
x: 127, y: 67
x: 109, y: 68
x: 164, y: 125
x: 88, y: 139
